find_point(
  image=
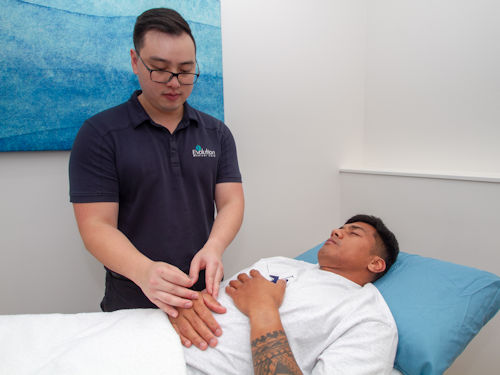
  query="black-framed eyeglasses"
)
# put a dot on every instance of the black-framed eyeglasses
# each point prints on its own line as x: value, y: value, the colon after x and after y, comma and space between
x: 165, y: 76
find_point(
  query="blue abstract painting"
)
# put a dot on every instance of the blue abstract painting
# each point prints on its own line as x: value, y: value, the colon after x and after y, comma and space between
x: 62, y: 61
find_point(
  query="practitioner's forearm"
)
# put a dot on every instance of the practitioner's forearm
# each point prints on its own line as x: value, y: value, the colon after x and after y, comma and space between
x: 163, y: 284
x: 97, y: 223
x: 230, y: 206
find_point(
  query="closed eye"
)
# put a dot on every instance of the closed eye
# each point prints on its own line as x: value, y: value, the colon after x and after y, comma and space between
x: 160, y: 69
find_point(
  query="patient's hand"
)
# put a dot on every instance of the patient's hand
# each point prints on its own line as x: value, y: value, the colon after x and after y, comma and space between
x: 197, y: 324
x: 253, y: 294
x: 260, y: 299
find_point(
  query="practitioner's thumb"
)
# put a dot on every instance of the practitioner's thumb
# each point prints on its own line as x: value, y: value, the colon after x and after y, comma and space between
x: 194, y: 270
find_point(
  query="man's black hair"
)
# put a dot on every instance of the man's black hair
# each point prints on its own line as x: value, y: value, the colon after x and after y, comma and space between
x: 389, y: 241
x: 162, y: 19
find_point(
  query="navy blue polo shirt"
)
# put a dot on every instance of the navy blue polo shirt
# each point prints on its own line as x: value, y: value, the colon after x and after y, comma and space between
x: 164, y: 183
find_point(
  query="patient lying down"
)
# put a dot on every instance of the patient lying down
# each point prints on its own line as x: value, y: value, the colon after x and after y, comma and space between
x: 282, y: 316
x: 298, y: 317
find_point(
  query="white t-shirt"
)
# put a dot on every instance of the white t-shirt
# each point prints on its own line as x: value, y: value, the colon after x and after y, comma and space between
x: 333, y: 325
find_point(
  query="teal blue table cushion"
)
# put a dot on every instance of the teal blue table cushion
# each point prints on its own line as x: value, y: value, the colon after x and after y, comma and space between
x: 438, y: 307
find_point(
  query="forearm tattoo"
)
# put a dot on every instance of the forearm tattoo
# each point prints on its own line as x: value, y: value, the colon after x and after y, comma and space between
x: 272, y: 355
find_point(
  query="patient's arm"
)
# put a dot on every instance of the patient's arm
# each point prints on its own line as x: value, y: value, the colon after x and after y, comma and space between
x: 260, y: 299
x: 197, y: 324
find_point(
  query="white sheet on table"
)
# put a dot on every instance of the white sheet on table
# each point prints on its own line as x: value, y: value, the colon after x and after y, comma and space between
x: 123, y: 342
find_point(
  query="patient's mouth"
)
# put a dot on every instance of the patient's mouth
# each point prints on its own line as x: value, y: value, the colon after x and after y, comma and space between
x: 331, y: 240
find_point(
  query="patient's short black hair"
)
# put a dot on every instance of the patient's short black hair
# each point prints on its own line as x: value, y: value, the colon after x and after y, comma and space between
x: 388, y: 244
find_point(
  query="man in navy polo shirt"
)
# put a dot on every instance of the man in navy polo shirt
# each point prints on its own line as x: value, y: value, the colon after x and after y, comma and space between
x: 144, y: 177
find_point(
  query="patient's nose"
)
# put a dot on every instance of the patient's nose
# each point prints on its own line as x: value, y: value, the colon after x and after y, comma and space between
x: 337, y: 233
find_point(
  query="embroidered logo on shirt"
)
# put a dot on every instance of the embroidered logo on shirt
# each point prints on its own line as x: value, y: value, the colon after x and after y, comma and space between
x: 276, y: 272
x: 199, y: 152
x: 275, y: 278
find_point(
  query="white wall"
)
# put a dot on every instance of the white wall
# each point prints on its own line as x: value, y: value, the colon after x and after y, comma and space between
x: 432, y: 85
x: 291, y: 127
x: 293, y: 88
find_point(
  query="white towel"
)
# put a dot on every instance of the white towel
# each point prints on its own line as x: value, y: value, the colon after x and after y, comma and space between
x: 140, y: 341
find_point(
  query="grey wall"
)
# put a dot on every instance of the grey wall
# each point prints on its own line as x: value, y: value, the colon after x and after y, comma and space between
x: 44, y: 266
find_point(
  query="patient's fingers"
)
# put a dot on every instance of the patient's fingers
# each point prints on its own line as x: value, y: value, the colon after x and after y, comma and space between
x: 255, y: 273
x: 213, y: 304
x: 202, y: 329
x: 196, y: 339
x: 243, y: 277
x: 185, y: 341
x: 206, y: 319
x: 197, y: 325
x: 186, y: 330
x: 235, y: 284
x: 230, y: 290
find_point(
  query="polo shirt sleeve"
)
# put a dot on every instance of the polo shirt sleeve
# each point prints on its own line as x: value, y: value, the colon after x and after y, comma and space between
x: 92, y: 170
x: 228, y: 169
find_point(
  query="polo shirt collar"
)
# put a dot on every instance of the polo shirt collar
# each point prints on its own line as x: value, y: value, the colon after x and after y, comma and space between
x: 138, y: 114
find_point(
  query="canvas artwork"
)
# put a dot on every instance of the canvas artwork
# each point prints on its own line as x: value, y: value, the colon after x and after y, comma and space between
x: 64, y: 60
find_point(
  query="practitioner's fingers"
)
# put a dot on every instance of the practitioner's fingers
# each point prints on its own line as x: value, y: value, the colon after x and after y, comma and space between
x: 171, y: 300
x: 194, y: 269
x: 170, y: 274
x: 216, y: 282
x: 169, y: 310
x: 213, y: 274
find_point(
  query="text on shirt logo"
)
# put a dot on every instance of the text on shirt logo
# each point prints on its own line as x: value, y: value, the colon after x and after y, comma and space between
x: 199, y: 152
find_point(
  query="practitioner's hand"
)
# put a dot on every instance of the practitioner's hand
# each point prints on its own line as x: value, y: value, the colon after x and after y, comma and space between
x: 167, y: 287
x: 254, y: 294
x: 197, y: 325
x: 210, y: 260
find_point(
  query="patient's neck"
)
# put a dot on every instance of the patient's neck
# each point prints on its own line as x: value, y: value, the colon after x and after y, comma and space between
x: 358, y: 277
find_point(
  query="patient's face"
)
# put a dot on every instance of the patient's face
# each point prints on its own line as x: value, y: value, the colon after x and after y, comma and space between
x: 349, y: 249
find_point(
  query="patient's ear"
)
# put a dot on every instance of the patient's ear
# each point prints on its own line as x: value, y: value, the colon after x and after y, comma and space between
x: 377, y: 264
